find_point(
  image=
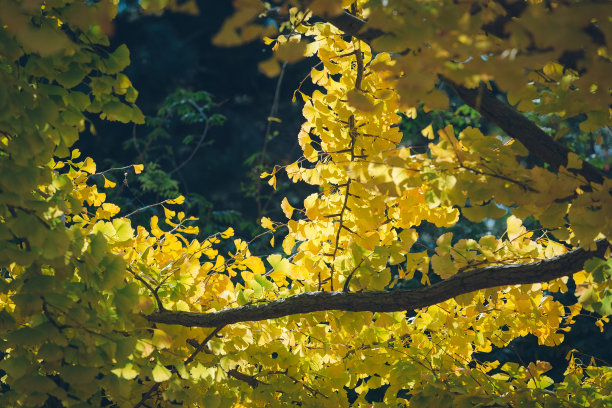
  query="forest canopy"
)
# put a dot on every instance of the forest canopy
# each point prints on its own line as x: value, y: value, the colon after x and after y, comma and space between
x: 457, y: 157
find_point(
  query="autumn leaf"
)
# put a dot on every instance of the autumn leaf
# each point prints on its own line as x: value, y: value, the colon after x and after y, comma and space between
x: 287, y: 208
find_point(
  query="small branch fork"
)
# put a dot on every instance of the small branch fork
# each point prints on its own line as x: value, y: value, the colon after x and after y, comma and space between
x: 156, y: 386
x: 351, y: 149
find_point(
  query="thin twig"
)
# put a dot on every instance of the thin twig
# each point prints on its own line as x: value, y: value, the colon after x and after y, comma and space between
x: 113, y: 169
x: 262, y: 154
x: 203, y: 344
x: 189, y: 359
x: 160, y: 305
x: 202, y: 137
x: 348, y: 279
x: 145, y: 207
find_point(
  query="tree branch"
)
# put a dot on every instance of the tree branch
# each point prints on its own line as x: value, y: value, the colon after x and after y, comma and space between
x: 490, y: 107
x: 391, y: 301
x: 522, y: 129
x: 249, y: 379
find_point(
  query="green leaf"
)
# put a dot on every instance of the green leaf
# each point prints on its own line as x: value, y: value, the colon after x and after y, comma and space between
x: 26, y: 336
x: 73, y: 76
x: 604, y: 306
x: 123, y: 229
x: 113, y: 272
x: 116, y: 111
x: 479, y: 213
x: 79, y: 375
x: 279, y: 263
x: 540, y: 382
x: 15, y: 366
x: 33, y: 384
x: 257, y: 289
x: 265, y: 282
x: 27, y: 304
x: 126, y: 298
x: 128, y: 372
x: 599, y: 268
x: 161, y: 339
x: 50, y: 352
x: 161, y: 373
x: 241, y: 298
x: 125, y: 347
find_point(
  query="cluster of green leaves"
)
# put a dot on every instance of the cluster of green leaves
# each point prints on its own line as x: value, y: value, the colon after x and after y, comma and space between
x: 176, y: 133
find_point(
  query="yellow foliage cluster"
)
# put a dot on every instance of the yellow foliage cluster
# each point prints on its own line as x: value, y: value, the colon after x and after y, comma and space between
x: 79, y: 285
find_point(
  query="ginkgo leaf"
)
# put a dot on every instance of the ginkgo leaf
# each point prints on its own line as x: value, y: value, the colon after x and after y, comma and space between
x: 108, y: 183
x: 515, y: 227
x: 161, y: 339
x: 127, y: 371
x: 267, y: 223
x: 255, y: 264
x: 280, y: 264
x: 89, y: 166
x: 288, y: 244
x: 478, y: 213
x: 360, y: 100
x: 272, y: 182
x: 270, y: 67
x: 178, y: 200
x: 227, y: 233
x: 428, y: 132
x: 290, y: 51
x: 169, y: 214
x: 161, y: 373
x: 287, y: 208
x: 443, y: 266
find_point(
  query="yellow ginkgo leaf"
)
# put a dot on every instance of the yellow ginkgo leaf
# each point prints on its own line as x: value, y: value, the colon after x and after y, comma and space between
x: 291, y: 51
x: 89, y: 165
x: 267, y: 223
x: 228, y: 233
x: 287, y: 208
x: 255, y: 264
x: 178, y: 200
x: 108, y: 183
x: 428, y: 132
x: 270, y: 67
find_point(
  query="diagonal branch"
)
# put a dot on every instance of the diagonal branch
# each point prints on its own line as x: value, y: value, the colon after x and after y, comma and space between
x: 490, y: 107
x: 522, y: 129
x: 391, y: 301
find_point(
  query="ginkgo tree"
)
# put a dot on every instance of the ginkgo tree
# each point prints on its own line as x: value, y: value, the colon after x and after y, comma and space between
x: 95, y: 311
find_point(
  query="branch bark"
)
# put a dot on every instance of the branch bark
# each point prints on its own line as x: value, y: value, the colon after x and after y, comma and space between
x: 491, y: 108
x: 522, y: 129
x: 391, y: 301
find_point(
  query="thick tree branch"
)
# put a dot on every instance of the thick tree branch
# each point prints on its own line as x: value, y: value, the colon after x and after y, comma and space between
x: 354, y: 26
x: 491, y: 108
x: 391, y: 301
x: 522, y: 129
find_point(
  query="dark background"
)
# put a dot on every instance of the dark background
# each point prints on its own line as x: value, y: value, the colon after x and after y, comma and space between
x: 174, y: 51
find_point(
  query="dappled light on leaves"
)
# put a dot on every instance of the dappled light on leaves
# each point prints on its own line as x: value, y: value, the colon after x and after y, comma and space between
x: 96, y: 310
